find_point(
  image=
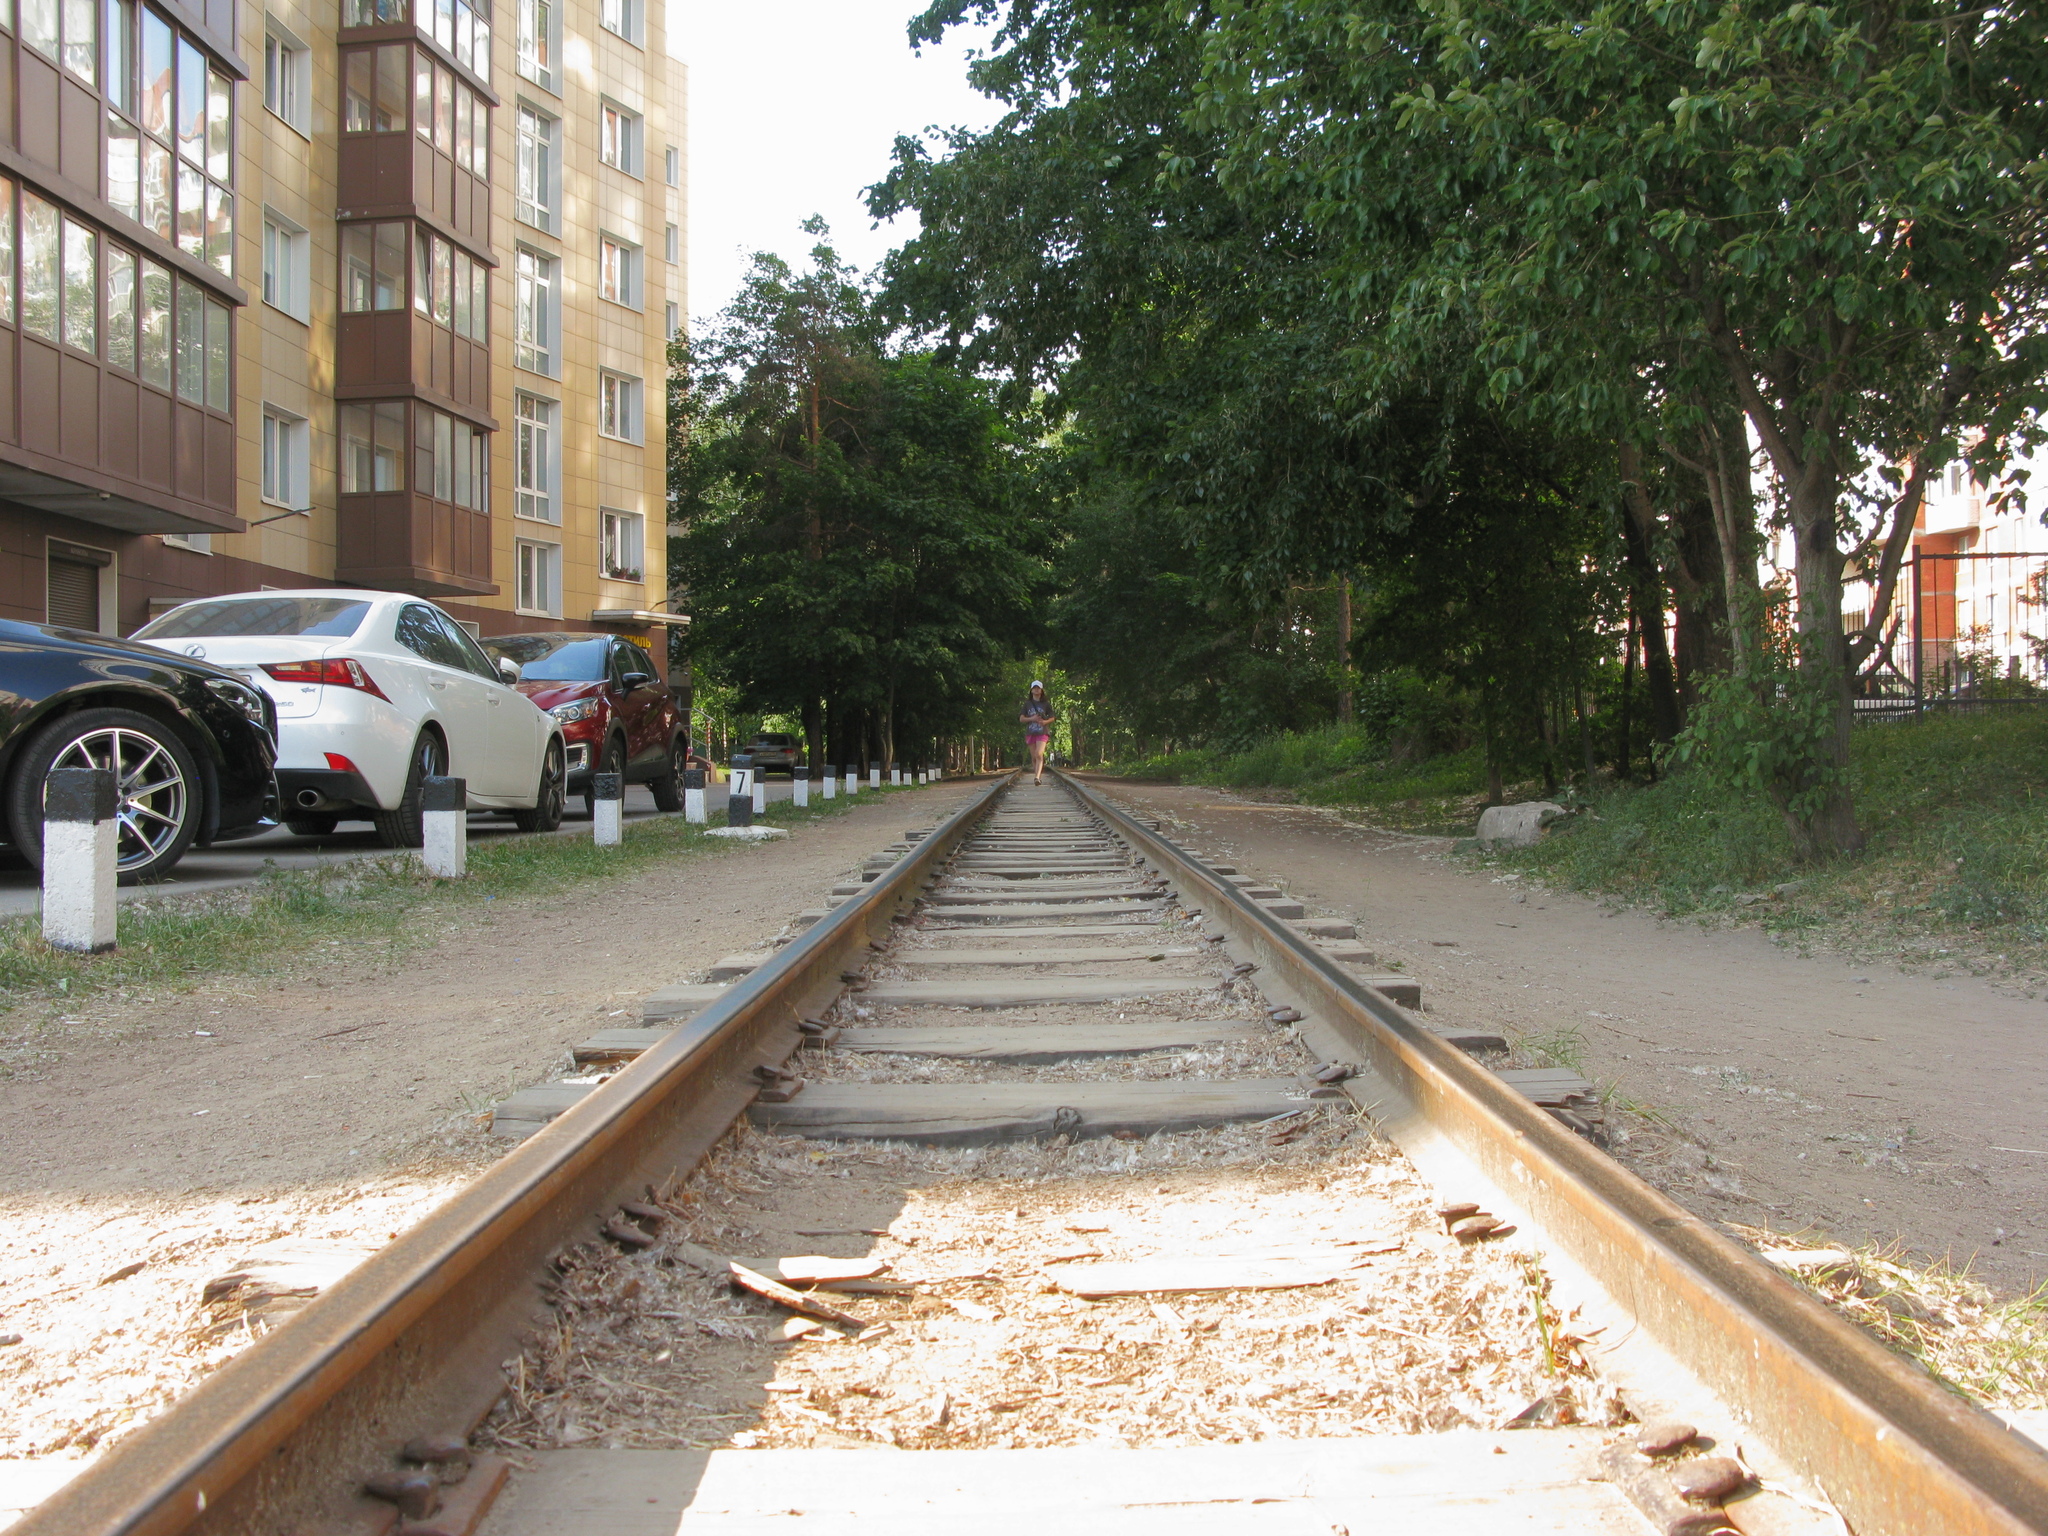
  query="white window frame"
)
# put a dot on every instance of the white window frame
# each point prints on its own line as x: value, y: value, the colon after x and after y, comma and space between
x: 537, y: 578
x: 287, y: 266
x: 672, y: 165
x: 622, y: 255
x: 287, y: 77
x: 621, y: 136
x: 536, y: 414
x: 621, y: 18
x: 621, y: 544
x: 672, y: 244
x: 549, y: 34
x: 549, y: 343
x: 627, y: 413
x: 195, y: 543
x: 674, y: 320
x: 287, y: 459
x: 545, y: 138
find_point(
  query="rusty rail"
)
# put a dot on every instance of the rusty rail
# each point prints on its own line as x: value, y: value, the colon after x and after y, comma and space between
x: 1898, y: 1453
x: 410, y: 1342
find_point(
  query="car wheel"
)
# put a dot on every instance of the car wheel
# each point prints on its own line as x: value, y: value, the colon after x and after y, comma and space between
x: 550, y: 799
x: 405, y: 825
x: 159, y: 795
x: 668, y: 789
x: 312, y: 824
x: 611, y: 760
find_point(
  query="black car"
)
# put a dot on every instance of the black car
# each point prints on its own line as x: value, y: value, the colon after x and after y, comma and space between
x: 194, y: 747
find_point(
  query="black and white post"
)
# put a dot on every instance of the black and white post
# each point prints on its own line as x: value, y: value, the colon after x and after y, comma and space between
x: 444, y: 816
x: 874, y: 775
x: 800, y: 787
x: 895, y: 775
x: 81, y: 845
x: 760, y: 794
x: 693, y: 796
x: 739, y: 792
x: 608, y: 809
x: 831, y: 783
x: 853, y: 778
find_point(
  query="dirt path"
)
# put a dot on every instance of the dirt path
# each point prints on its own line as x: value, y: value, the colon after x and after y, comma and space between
x: 1873, y: 1104
x: 145, y: 1146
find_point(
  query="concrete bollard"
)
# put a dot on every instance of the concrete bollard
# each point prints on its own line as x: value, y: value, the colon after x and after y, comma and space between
x: 760, y: 794
x: 800, y: 787
x: 831, y: 785
x: 853, y: 778
x: 874, y: 775
x: 739, y: 792
x: 895, y: 775
x: 444, y: 812
x: 693, y: 796
x: 608, y: 809
x: 81, y: 847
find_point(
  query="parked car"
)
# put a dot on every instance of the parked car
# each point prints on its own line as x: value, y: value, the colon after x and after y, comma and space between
x: 193, y: 745
x: 375, y: 692
x: 773, y: 752
x: 618, y: 714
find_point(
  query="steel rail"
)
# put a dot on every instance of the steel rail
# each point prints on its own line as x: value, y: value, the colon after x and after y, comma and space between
x: 410, y: 1342
x: 1898, y: 1453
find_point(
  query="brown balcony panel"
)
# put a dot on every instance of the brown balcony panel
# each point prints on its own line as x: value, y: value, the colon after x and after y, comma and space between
x: 406, y: 543
x: 95, y: 444
x: 375, y: 170
x: 36, y: 80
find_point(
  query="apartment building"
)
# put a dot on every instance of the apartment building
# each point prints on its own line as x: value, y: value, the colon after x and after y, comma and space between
x: 359, y: 292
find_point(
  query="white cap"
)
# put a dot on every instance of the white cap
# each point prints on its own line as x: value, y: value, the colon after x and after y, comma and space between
x: 1035, y: 683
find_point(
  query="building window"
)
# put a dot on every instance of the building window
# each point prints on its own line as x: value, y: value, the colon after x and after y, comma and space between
x: 287, y: 265
x: 619, y: 138
x: 618, y: 271
x: 169, y: 143
x: 536, y: 469
x: 672, y: 169
x: 536, y: 189
x: 81, y: 287
x: 539, y: 586
x: 287, y: 459
x: 287, y: 78
x: 372, y: 267
x: 66, y: 32
x: 374, y: 89
x: 372, y: 447
x: 618, y: 406
x: 536, y: 318
x: 120, y: 303
x: 672, y: 244
x: 156, y: 325
x: 539, y: 41
x: 675, y: 321
x: 450, y: 459
x: 621, y: 17
x: 622, y: 546
x: 373, y: 13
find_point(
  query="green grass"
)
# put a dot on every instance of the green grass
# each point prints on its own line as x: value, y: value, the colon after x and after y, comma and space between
x: 1956, y: 812
x: 1338, y: 767
x: 374, y: 905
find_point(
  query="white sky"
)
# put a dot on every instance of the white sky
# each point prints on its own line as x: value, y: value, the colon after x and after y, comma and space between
x: 793, y: 107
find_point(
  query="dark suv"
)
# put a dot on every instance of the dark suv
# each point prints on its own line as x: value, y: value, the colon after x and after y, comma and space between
x: 618, y: 713
x: 194, y: 747
x: 773, y: 752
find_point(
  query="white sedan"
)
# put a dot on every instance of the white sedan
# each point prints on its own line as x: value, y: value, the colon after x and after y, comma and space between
x: 375, y: 692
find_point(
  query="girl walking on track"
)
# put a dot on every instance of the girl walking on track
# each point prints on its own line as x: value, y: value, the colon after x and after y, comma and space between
x: 1038, y: 720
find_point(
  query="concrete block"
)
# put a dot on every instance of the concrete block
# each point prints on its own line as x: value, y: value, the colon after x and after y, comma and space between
x: 531, y: 1108
x: 1517, y: 826
x: 733, y: 967
x: 1285, y: 908
x: 680, y: 1001
x: 1404, y: 990
x: 809, y: 919
x: 1328, y: 928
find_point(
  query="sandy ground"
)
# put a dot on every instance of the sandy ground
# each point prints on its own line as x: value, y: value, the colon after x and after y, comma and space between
x: 1768, y: 1088
x: 146, y: 1145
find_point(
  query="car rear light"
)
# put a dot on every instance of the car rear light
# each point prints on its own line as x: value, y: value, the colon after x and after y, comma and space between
x: 333, y: 671
x: 341, y: 764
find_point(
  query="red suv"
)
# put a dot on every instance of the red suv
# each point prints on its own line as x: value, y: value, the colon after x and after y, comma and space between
x: 618, y: 713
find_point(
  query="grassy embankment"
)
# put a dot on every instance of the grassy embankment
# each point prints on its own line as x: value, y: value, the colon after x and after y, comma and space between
x: 384, y: 905
x: 1955, y: 807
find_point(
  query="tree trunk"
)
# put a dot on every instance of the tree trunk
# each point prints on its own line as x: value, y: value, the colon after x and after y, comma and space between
x: 1347, y: 700
x: 1646, y: 591
x: 1625, y: 758
x: 814, y: 734
x: 1824, y: 664
x: 1724, y: 461
x: 1585, y: 730
x: 888, y: 727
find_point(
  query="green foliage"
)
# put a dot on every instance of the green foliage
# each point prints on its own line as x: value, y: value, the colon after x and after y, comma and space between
x: 858, y: 526
x: 1957, y: 811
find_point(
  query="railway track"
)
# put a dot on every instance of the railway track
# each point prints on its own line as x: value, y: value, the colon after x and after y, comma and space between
x: 1128, y: 1115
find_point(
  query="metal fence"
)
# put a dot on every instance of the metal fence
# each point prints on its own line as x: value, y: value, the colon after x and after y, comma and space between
x: 1968, y: 631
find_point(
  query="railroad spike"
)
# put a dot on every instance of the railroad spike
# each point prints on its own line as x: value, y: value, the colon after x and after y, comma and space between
x: 417, y: 1494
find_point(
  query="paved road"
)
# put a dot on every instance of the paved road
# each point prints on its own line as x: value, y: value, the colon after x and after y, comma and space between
x: 231, y: 864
